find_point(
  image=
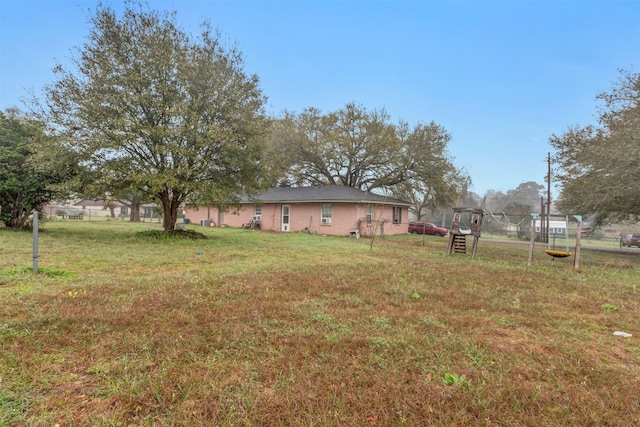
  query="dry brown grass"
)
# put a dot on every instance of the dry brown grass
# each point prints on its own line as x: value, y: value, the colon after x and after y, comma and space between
x: 301, y: 330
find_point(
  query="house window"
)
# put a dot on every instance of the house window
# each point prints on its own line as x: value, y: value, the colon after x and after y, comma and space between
x: 123, y: 210
x: 397, y: 215
x: 326, y: 213
x: 257, y: 216
x: 148, y: 212
x: 369, y: 214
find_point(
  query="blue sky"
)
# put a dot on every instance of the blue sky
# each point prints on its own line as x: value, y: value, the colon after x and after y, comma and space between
x: 499, y: 76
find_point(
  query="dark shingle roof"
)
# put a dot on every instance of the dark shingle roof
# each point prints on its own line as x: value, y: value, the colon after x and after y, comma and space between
x: 324, y: 193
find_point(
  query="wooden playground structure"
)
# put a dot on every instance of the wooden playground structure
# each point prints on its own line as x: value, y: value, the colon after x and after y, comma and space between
x: 466, y: 222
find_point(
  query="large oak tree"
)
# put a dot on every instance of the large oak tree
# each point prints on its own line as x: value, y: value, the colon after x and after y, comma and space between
x: 153, y: 109
x: 599, y: 166
x: 363, y: 149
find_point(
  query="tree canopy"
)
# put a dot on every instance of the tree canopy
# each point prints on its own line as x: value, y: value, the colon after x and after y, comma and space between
x: 598, y: 167
x: 31, y: 168
x: 526, y: 196
x: 365, y: 150
x: 153, y: 110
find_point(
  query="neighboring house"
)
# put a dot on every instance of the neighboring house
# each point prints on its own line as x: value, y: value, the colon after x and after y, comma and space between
x: 330, y: 209
x: 556, y: 228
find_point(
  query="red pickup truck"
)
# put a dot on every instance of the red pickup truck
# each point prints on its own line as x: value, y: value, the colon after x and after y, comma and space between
x: 427, y: 228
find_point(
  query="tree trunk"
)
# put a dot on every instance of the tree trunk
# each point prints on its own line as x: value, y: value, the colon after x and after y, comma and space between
x: 18, y: 219
x: 18, y: 215
x: 134, y: 216
x: 170, y: 207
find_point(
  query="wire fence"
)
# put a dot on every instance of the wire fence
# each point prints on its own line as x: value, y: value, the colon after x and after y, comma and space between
x: 559, y: 239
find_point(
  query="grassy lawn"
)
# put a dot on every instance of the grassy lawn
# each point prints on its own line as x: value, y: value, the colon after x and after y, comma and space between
x: 257, y: 328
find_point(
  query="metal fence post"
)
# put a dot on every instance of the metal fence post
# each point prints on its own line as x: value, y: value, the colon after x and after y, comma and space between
x: 35, y: 241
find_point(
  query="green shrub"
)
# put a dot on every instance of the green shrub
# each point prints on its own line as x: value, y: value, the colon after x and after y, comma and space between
x: 172, y: 235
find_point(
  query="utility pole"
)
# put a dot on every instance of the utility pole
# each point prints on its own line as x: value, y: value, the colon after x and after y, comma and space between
x: 543, y: 223
x: 548, y: 189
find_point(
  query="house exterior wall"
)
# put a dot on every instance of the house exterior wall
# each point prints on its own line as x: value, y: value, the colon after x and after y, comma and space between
x: 345, y: 217
x: 236, y: 219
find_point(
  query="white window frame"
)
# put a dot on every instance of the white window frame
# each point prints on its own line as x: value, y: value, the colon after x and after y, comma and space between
x: 325, y: 214
x: 397, y: 214
x: 257, y: 216
x: 369, y: 213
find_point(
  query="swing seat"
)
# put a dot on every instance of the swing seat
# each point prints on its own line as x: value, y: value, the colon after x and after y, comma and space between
x: 557, y: 254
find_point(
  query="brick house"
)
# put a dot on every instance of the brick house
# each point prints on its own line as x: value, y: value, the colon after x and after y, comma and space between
x: 330, y: 209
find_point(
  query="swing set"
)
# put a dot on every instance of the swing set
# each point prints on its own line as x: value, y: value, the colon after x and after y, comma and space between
x: 552, y: 233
